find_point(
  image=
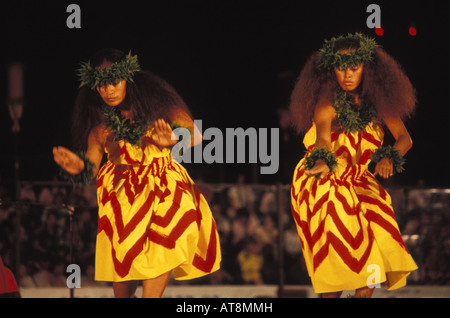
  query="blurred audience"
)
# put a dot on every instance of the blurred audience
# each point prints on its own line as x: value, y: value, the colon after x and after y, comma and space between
x: 247, y: 220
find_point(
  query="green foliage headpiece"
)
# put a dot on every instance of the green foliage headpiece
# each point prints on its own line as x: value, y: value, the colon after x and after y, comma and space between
x: 123, y: 70
x: 331, y: 59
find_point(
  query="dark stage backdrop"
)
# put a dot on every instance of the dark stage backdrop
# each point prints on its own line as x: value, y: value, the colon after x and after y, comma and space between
x: 234, y: 62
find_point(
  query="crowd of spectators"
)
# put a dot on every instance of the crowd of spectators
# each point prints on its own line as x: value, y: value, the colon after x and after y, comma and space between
x: 49, y: 238
x: 247, y: 218
x: 426, y: 232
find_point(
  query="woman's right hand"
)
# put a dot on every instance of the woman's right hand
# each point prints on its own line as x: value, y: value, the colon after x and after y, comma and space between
x: 320, y: 170
x: 68, y: 160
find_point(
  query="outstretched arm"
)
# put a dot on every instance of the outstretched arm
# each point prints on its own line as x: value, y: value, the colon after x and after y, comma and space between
x: 72, y: 163
x: 68, y: 160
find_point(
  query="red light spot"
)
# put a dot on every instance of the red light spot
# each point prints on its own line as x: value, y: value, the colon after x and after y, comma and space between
x: 412, y: 31
x: 379, y: 31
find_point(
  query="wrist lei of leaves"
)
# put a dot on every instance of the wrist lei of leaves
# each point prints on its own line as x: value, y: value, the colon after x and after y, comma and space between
x: 123, y: 70
x: 84, y: 177
x: 393, y: 154
x: 324, y: 154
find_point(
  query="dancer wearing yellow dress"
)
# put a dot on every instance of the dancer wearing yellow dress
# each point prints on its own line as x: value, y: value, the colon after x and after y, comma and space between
x: 153, y: 220
x: 346, y: 94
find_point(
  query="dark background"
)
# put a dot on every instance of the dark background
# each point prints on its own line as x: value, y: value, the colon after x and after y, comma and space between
x: 234, y: 63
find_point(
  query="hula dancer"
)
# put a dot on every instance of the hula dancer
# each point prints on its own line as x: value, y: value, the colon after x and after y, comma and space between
x: 152, y: 220
x: 345, y: 94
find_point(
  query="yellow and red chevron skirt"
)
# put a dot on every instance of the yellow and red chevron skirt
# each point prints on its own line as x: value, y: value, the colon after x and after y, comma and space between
x: 347, y: 227
x: 152, y: 217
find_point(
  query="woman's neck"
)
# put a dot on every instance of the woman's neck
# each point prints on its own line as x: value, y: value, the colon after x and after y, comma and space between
x: 125, y: 109
x: 355, y: 97
x: 127, y: 113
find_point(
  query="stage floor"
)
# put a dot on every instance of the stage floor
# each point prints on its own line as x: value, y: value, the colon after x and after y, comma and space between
x: 234, y: 291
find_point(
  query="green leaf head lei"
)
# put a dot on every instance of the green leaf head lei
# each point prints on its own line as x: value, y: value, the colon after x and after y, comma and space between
x: 123, y: 70
x: 364, y: 53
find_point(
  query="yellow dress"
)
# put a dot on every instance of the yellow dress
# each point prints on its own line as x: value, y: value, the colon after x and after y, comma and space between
x: 152, y: 217
x: 347, y: 228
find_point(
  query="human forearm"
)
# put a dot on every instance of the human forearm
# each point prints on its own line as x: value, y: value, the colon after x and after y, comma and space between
x: 403, y: 144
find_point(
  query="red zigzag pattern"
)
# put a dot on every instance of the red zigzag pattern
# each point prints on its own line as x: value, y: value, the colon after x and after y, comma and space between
x: 123, y: 231
x: 352, y: 178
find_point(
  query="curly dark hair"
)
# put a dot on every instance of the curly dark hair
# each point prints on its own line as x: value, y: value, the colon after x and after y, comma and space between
x: 148, y: 95
x: 384, y: 85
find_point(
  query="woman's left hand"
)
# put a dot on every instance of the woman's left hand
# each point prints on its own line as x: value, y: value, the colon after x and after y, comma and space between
x: 384, y: 168
x: 163, y: 135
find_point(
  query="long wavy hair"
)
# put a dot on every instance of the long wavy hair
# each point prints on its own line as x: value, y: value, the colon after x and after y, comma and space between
x: 384, y: 85
x: 148, y: 95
